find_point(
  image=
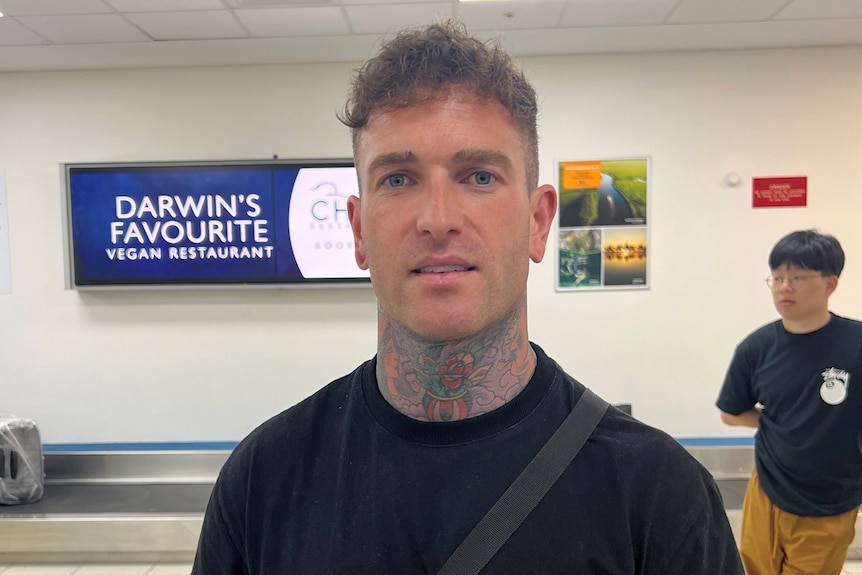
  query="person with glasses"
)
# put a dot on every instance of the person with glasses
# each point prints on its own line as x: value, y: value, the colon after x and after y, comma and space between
x: 794, y: 380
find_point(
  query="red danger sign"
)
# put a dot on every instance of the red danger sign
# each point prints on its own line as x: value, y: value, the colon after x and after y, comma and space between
x: 779, y: 192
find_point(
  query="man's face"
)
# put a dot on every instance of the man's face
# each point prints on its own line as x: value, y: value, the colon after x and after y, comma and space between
x: 445, y: 222
x: 803, y: 294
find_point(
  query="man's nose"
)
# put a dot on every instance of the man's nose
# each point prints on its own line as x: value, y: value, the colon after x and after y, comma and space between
x: 441, y: 208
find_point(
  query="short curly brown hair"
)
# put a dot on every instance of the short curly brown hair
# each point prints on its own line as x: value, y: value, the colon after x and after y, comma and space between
x: 422, y: 64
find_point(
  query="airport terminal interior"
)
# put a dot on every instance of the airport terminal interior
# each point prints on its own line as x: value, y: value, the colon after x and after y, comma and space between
x: 709, y: 95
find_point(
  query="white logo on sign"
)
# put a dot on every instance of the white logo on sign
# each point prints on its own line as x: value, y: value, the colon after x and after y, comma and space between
x: 319, y: 228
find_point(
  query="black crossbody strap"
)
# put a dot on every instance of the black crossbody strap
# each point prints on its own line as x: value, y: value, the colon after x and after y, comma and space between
x: 528, y: 489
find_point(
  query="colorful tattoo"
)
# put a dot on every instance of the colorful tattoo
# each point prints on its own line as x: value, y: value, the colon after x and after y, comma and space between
x: 454, y: 380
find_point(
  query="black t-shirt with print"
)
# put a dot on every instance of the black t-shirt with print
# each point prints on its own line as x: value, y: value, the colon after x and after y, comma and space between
x: 808, y: 447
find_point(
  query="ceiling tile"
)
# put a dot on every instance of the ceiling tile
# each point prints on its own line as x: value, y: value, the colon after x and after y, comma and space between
x: 387, y: 19
x: 726, y: 36
x: 188, y: 25
x: 84, y: 29
x: 616, y: 12
x: 164, y: 5
x: 113, y: 33
x: 242, y: 4
x: 13, y: 33
x: 510, y: 15
x: 362, y: 2
x: 308, y: 21
x: 703, y: 11
x: 821, y: 9
x: 53, y: 7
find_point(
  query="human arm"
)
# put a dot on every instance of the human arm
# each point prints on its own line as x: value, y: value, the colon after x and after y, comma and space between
x: 738, y: 402
x: 750, y: 418
x: 706, y: 546
x: 690, y: 532
x: 217, y: 551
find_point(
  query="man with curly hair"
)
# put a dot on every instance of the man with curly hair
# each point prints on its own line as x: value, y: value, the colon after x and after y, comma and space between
x: 386, y: 470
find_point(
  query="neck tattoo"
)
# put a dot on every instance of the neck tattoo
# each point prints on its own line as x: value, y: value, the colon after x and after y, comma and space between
x: 451, y: 381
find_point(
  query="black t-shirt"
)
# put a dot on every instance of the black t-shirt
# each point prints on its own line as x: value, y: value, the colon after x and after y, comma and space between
x: 808, y: 447
x: 343, y: 483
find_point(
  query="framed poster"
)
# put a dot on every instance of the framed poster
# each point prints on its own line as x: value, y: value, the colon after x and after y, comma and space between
x: 602, y: 237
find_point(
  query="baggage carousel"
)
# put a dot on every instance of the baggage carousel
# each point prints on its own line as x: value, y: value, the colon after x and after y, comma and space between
x: 113, y: 506
x: 148, y: 506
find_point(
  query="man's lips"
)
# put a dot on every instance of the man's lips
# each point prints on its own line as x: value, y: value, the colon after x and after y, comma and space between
x: 442, y: 269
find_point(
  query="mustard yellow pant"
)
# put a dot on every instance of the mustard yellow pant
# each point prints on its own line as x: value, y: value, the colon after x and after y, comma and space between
x: 774, y: 542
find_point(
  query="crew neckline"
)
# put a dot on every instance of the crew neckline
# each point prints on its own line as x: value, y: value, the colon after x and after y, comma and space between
x: 822, y: 329
x: 467, y: 430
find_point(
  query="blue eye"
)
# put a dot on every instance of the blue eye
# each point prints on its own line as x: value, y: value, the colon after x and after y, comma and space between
x: 396, y: 180
x: 483, y: 178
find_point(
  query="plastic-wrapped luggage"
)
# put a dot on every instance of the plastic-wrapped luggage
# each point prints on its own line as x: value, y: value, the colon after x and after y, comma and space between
x: 22, y: 476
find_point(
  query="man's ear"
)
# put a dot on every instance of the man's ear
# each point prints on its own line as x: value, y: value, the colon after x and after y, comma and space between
x: 354, y: 214
x: 543, y: 202
x: 831, y: 284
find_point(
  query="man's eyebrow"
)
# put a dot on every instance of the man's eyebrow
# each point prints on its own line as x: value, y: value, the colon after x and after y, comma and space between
x: 392, y: 159
x: 485, y: 156
x: 482, y: 156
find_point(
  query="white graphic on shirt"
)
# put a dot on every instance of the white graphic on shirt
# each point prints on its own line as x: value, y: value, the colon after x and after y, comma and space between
x: 833, y: 390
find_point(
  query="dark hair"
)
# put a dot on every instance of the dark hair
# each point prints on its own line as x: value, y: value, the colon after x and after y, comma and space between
x: 810, y: 250
x: 424, y: 64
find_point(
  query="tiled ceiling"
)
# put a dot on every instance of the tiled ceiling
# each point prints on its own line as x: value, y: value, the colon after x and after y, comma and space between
x: 76, y: 34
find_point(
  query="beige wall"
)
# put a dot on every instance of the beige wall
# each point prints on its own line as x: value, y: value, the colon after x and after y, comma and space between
x: 210, y: 365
